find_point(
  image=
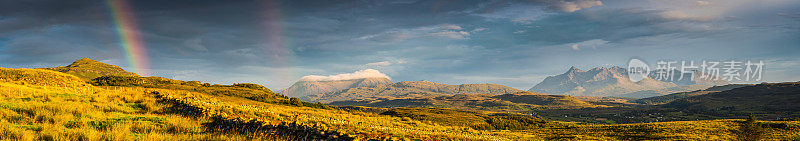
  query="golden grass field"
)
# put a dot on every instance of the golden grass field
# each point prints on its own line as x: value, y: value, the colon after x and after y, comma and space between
x: 37, y: 104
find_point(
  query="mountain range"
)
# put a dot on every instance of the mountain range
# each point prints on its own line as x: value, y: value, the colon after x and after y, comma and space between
x: 614, y: 81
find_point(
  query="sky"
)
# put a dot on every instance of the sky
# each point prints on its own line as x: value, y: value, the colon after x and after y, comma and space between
x: 513, y: 43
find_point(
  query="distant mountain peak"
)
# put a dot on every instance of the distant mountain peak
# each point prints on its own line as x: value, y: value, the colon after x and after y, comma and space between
x: 318, y: 84
x: 574, y: 69
x: 361, y: 74
x: 615, y: 69
x: 605, y: 81
x: 303, y: 87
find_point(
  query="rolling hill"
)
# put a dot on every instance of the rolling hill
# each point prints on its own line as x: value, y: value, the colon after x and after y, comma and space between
x: 663, y: 91
x: 410, y: 89
x: 765, y: 101
x: 776, y: 99
x: 519, y: 101
x: 37, y: 104
x: 88, y: 69
x: 680, y: 95
x: 543, y: 99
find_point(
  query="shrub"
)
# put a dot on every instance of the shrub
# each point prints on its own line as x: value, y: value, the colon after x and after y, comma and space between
x: 750, y: 130
x: 117, y: 81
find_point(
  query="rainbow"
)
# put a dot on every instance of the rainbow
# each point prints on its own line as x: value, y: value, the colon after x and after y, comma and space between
x: 131, y: 41
x: 278, y: 44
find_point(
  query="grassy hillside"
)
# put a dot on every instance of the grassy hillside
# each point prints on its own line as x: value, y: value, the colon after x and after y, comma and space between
x: 544, y: 99
x: 46, y: 105
x: 34, y: 109
x: 664, y: 91
x: 245, y: 90
x: 40, y: 104
x: 768, y: 101
x: 675, y: 96
x: 88, y: 69
x: 772, y: 100
x: 513, y: 102
x: 476, y: 120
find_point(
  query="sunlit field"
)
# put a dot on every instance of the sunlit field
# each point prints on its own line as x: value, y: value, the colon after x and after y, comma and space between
x: 48, y: 105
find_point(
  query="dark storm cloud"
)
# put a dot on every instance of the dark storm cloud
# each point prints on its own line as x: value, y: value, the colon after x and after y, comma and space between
x: 36, y: 14
x: 508, y: 42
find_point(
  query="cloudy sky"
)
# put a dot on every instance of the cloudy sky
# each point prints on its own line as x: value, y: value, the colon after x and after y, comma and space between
x: 514, y: 43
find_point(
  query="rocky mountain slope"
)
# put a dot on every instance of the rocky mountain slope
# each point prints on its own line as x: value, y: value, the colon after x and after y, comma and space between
x: 601, y: 81
x: 613, y: 81
x: 304, y: 88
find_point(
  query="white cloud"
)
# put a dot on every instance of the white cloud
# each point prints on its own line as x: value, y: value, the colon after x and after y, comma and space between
x: 388, y: 36
x: 195, y: 44
x: 704, y: 3
x: 523, y: 20
x: 250, y: 53
x: 367, y: 73
x: 517, y: 13
x: 479, y: 29
x: 588, y: 43
x: 451, y: 34
x: 575, y: 47
x: 384, y: 63
x: 397, y: 35
x: 682, y: 15
x: 702, y: 10
x: 572, y: 6
x: 674, y: 14
x: 451, y: 26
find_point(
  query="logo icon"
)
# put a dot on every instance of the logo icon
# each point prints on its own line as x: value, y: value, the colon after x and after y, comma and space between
x: 637, y: 70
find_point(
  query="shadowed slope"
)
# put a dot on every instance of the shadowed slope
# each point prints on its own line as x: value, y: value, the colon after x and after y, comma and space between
x: 766, y: 98
x: 680, y: 95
